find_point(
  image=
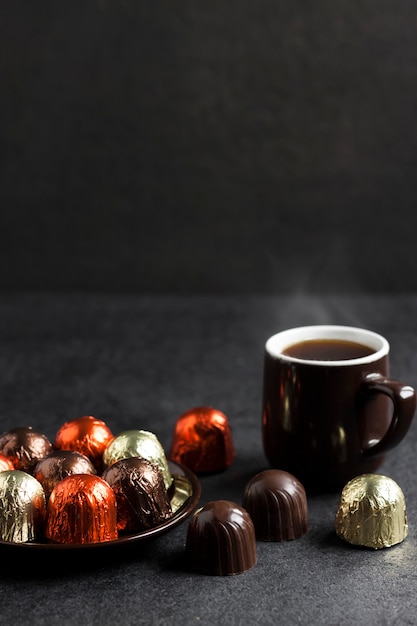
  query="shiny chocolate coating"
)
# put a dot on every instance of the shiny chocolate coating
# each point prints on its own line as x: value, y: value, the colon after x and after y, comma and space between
x: 24, y: 447
x: 141, y: 496
x: 277, y: 504
x: 81, y: 509
x: 22, y: 507
x: 221, y: 539
x: 87, y: 435
x: 139, y: 443
x: 58, y: 465
x: 202, y: 440
x: 372, y: 512
x: 5, y: 463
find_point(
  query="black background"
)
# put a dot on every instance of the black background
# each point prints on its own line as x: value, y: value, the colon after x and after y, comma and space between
x: 208, y: 146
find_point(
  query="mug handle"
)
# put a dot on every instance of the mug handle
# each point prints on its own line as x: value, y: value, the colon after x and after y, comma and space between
x: 404, y: 402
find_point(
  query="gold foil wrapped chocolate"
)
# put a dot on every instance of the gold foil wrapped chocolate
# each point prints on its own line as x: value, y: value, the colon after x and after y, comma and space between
x: 372, y: 512
x: 138, y: 443
x: 22, y: 507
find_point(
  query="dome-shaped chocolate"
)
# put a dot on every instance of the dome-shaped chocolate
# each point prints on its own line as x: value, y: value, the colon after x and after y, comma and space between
x: 221, y: 539
x: 81, y: 509
x: 372, y: 512
x: 277, y: 504
x: 60, y: 464
x: 141, y: 495
x: 24, y: 447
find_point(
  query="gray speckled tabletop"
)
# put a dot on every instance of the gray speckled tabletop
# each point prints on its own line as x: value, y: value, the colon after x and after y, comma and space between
x: 140, y: 362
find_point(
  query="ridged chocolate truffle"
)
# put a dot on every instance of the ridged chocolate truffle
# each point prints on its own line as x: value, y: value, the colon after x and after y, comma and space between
x: 221, y: 539
x: 372, y: 512
x: 81, y: 509
x: 140, y: 443
x: 22, y: 507
x: 277, y: 504
x: 24, y: 447
x: 202, y: 440
x: 141, y: 496
x: 60, y: 464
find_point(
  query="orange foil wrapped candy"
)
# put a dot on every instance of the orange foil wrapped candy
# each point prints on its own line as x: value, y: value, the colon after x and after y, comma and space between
x: 24, y: 447
x: 22, y: 507
x: 87, y: 435
x: 141, y: 496
x: 81, y: 509
x: 5, y: 463
x: 203, y: 441
x: 58, y: 465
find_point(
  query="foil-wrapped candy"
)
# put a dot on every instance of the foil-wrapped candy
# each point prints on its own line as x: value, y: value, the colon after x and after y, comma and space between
x: 22, y: 507
x: 5, y: 463
x: 202, y: 440
x: 141, y: 496
x: 58, y: 465
x: 87, y: 435
x: 138, y: 443
x: 24, y: 447
x: 372, y: 512
x: 82, y: 509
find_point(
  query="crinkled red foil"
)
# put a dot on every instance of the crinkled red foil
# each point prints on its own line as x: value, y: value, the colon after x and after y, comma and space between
x: 203, y: 440
x: 82, y: 509
x: 87, y: 435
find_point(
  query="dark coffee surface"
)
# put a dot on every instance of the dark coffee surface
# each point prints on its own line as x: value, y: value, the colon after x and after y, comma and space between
x: 328, y: 350
x: 139, y: 362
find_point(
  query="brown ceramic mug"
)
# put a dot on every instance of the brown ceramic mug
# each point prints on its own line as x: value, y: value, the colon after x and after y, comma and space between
x: 330, y: 410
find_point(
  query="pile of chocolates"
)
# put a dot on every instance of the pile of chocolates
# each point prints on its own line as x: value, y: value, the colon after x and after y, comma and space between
x: 88, y: 486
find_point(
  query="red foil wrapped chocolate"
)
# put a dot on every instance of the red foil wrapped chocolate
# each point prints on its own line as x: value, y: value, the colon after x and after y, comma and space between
x: 203, y: 441
x: 81, y: 509
x: 87, y: 435
x: 24, y: 447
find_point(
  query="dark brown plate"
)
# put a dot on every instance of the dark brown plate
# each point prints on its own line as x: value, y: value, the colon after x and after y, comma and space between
x: 184, y: 498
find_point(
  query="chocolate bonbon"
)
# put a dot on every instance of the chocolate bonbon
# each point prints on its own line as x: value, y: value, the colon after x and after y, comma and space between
x: 58, y: 465
x: 372, y: 512
x: 87, y: 435
x: 141, y: 496
x: 202, y: 440
x: 138, y: 443
x: 277, y: 504
x: 22, y: 507
x: 81, y: 509
x: 24, y: 447
x: 221, y: 539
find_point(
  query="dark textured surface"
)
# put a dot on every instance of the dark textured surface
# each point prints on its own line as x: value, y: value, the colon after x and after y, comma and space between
x: 212, y: 146
x: 139, y: 362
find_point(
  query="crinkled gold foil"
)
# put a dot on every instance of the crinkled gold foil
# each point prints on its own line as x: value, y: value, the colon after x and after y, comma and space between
x: 182, y: 491
x: 372, y: 512
x: 140, y: 443
x: 22, y: 507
